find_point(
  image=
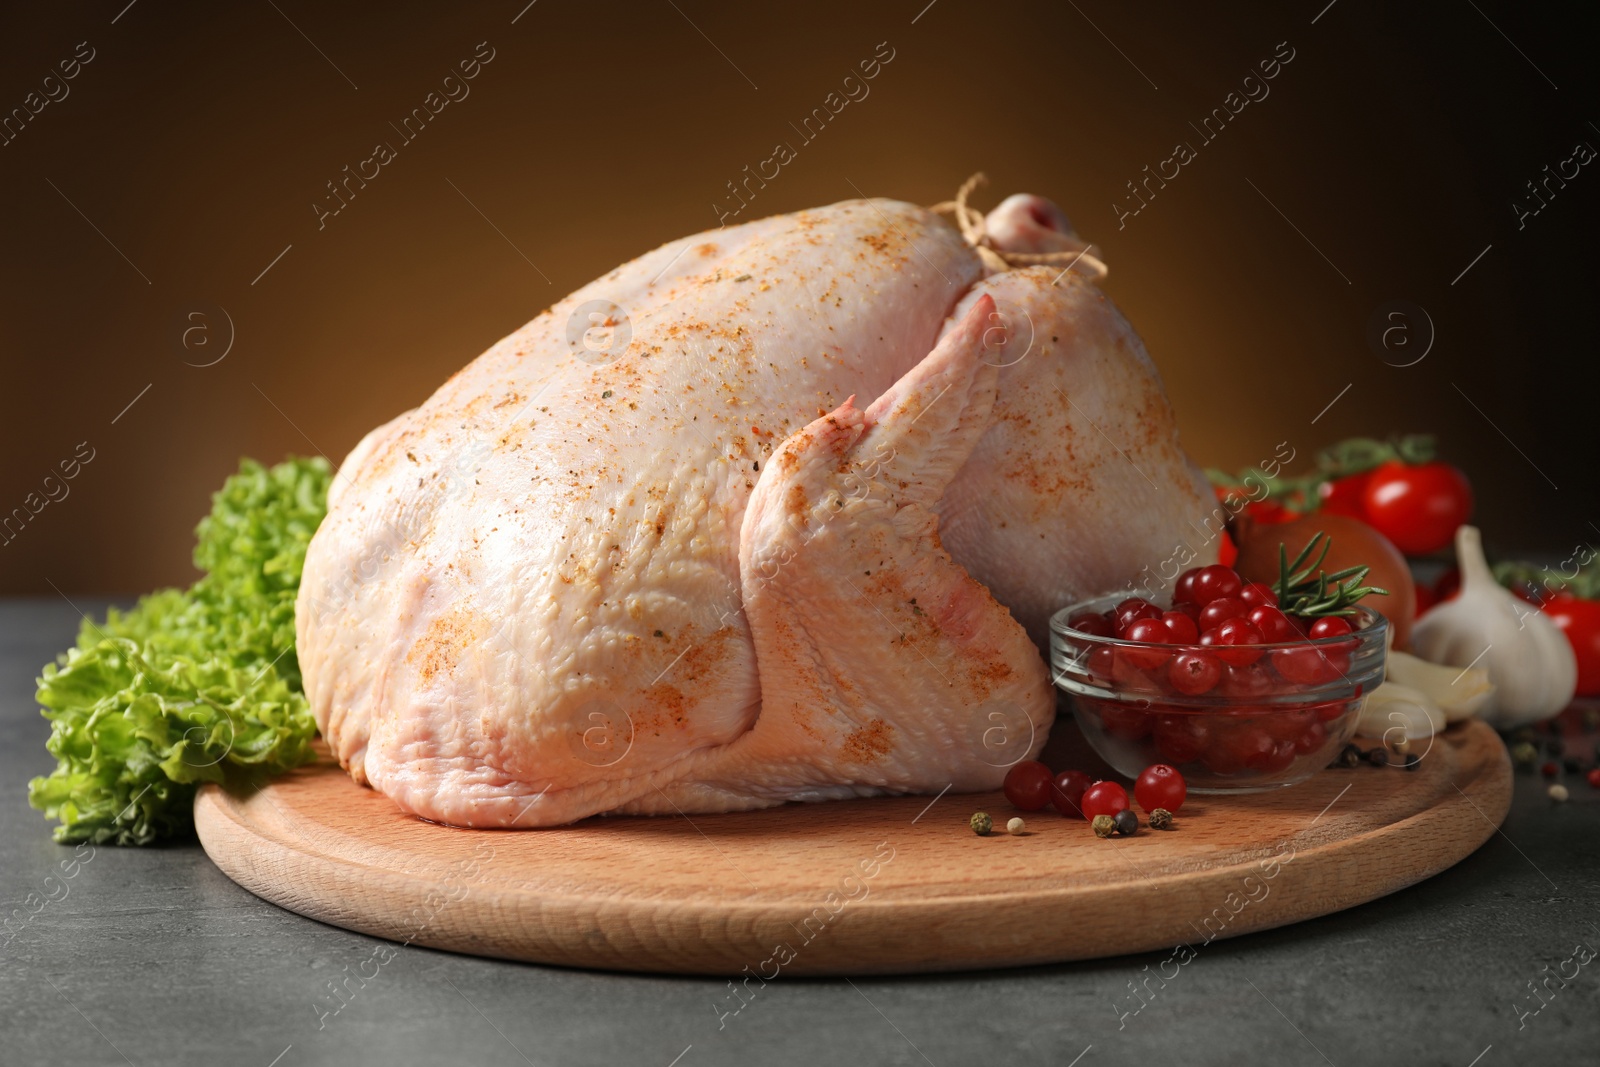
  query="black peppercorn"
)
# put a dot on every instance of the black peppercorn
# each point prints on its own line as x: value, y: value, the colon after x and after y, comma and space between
x: 1413, y: 761
x: 1378, y: 757
x: 1572, y: 765
x: 1127, y: 822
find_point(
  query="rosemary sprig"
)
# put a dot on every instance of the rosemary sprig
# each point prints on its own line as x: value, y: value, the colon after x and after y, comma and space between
x: 1326, y: 594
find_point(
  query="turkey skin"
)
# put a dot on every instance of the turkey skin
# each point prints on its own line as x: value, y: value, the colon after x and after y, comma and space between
x: 776, y: 512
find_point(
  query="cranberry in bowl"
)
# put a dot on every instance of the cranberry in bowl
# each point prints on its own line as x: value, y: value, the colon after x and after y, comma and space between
x: 1239, y: 695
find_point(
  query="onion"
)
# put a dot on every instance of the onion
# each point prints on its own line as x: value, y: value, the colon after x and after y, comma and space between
x: 1354, y: 543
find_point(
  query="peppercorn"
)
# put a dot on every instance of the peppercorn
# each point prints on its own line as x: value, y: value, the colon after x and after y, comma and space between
x: 1549, y: 769
x: 1594, y: 778
x: 1349, y: 756
x: 1104, y: 825
x: 1413, y: 761
x: 1127, y: 822
x: 1572, y: 766
x: 1016, y: 826
x: 981, y: 823
x: 1558, y: 793
x: 1378, y: 757
x: 1161, y: 819
x: 1524, y: 754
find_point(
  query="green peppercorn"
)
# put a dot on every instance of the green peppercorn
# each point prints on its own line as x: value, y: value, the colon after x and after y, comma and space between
x: 1104, y: 825
x: 1127, y: 822
x: 981, y: 823
x: 1349, y: 756
x: 1161, y: 819
x: 1524, y: 754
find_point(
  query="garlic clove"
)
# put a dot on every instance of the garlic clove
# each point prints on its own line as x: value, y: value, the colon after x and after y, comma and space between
x: 1460, y: 694
x: 1393, y: 709
x: 1530, y: 662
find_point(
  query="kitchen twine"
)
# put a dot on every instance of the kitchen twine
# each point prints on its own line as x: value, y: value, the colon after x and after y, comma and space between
x: 969, y: 220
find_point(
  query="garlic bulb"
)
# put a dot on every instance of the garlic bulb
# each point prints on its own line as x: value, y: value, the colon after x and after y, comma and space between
x: 1393, y: 708
x: 1460, y: 694
x: 1529, y: 660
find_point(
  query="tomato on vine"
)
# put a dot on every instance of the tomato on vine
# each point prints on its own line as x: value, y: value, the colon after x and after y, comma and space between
x: 1417, y: 506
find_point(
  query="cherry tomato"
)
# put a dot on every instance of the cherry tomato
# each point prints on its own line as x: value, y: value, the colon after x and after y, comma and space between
x: 1594, y: 778
x: 1255, y: 594
x: 1214, y: 582
x: 1066, y: 791
x: 1239, y: 635
x: 1274, y: 625
x: 1160, y: 786
x: 1417, y: 507
x: 1028, y: 785
x: 1183, y: 592
x: 1103, y: 798
x: 1092, y: 623
x: 1181, y: 629
x: 1221, y: 609
x: 1193, y: 673
x: 1330, y: 626
x: 1346, y: 496
x: 1580, y: 620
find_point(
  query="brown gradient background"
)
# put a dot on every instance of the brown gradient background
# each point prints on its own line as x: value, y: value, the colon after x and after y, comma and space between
x: 200, y: 135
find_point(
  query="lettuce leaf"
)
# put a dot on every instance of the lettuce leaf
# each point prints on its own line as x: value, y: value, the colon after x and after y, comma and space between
x: 188, y: 684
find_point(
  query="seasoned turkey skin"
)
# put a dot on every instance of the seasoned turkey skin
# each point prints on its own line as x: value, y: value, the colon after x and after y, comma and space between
x: 775, y: 512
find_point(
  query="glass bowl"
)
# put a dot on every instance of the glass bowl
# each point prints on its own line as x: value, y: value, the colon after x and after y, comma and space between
x: 1279, y: 713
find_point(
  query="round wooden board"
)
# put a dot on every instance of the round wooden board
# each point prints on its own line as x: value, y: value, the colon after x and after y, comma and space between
x: 854, y: 887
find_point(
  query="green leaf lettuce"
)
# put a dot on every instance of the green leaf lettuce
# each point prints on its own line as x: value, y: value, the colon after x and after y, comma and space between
x: 188, y: 684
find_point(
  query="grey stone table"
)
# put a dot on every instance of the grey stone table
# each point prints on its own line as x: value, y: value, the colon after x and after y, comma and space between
x: 152, y: 956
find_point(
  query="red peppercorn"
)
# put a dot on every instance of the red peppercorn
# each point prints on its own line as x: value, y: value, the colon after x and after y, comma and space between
x: 1549, y: 769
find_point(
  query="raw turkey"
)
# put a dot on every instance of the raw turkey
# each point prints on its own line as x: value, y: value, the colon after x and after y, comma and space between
x: 776, y: 512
